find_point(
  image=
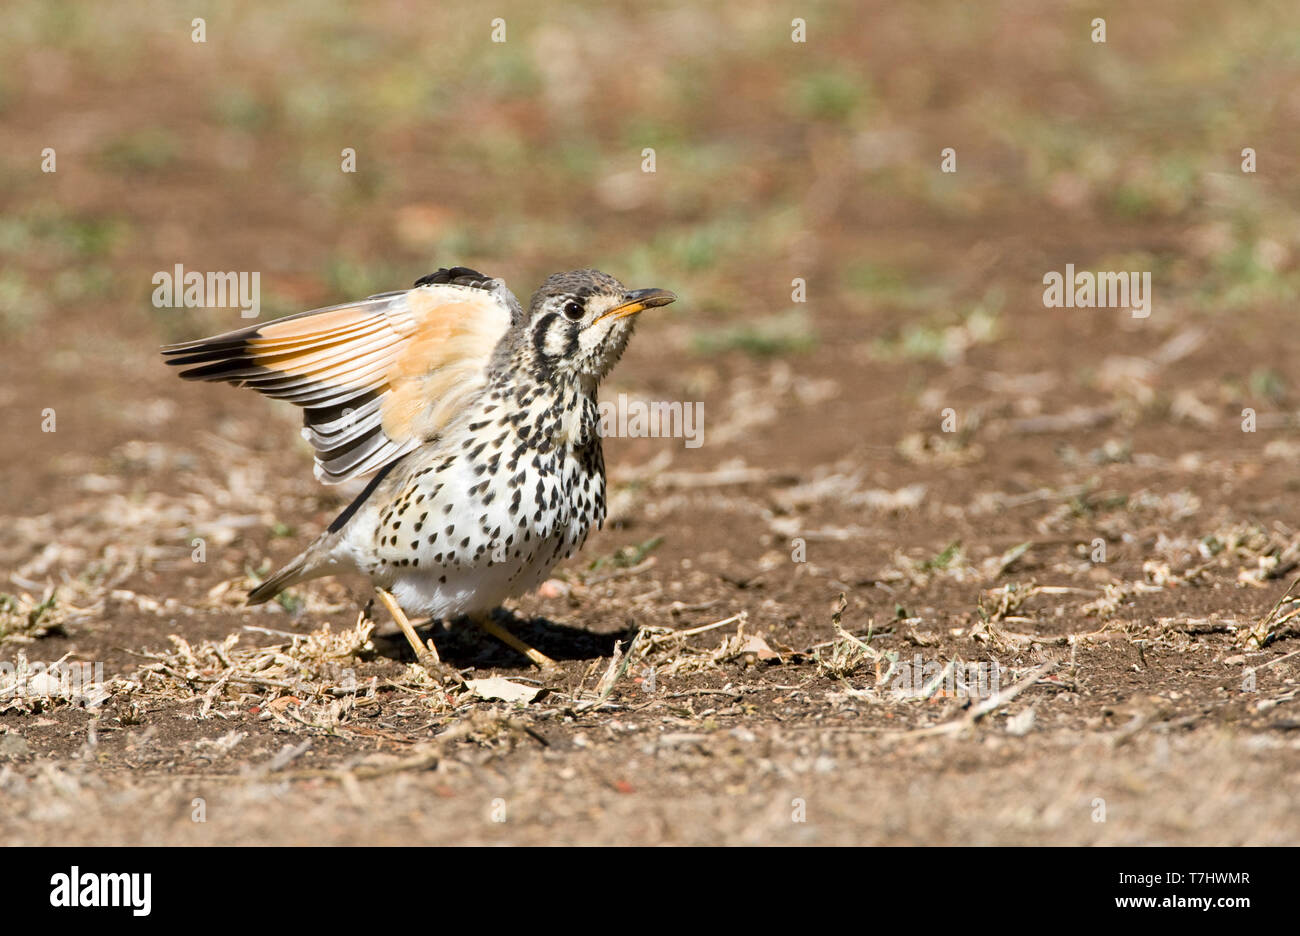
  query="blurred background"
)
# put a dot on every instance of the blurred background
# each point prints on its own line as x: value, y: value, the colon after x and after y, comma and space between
x: 775, y: 161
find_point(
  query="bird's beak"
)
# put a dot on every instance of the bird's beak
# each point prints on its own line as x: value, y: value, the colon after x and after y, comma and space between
x: 636, y: 301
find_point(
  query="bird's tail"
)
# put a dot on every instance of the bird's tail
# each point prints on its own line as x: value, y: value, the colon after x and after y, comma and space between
x: 314, y: 561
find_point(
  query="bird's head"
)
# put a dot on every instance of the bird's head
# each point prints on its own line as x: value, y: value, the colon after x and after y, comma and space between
x: 579, y: 323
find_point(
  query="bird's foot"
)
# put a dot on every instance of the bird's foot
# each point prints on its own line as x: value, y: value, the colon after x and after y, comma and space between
x: 489, y: 626
x: 427, y: 653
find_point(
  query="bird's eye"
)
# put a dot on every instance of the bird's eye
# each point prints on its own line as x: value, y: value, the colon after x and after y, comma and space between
x: 573, y: 310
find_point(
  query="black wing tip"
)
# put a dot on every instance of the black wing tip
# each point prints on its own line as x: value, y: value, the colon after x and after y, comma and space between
x: 199, y: 344
x: 224, y: 344
x: 215, y: 363
x: 200, y: 353
x: 217, y: 370
x: 456, y: 276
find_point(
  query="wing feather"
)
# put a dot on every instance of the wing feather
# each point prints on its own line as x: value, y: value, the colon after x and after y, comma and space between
x: 375, y: 378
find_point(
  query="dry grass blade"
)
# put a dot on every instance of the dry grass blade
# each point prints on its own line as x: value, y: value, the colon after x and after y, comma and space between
x: 847, y: 652
x: 1272, y: 625
x: 618, y: 667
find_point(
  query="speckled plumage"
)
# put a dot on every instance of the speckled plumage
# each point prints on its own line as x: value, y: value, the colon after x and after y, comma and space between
x: 472, y: 501
x: 490, y: 508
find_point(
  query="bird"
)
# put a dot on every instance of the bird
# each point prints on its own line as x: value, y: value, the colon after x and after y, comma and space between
x: 475, y: 419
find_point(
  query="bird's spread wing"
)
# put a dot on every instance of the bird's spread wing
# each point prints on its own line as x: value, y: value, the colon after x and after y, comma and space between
x: 375, y: 378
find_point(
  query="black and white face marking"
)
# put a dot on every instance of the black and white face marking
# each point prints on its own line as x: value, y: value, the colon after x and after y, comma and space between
x: 581, y: 321
x: 570, y: 333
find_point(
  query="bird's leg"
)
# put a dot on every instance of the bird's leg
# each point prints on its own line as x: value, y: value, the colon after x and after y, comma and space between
x: 428, y: 656
x: 485, y: 622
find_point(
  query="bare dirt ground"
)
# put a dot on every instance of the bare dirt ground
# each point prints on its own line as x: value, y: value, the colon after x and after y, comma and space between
x: 1097, y: 530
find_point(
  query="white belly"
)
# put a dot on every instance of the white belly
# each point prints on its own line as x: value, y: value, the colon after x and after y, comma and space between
x: 456, y: 551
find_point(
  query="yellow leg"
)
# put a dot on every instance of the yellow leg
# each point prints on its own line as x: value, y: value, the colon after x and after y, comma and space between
x: 490, y: 626
x: 428, y: 656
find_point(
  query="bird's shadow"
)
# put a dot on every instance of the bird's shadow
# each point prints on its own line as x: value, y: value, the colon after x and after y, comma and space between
x: 464, y: 644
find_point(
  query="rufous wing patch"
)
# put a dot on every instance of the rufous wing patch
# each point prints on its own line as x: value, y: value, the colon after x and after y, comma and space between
x: 374, y: 378
x: 444, y: 363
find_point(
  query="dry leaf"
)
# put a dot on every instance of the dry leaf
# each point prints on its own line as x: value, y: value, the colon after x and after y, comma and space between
x: 496, y: 688
x: 756, y: 647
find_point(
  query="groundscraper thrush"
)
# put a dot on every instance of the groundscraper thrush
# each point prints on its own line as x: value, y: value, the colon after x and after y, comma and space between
x: 476, y: 418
